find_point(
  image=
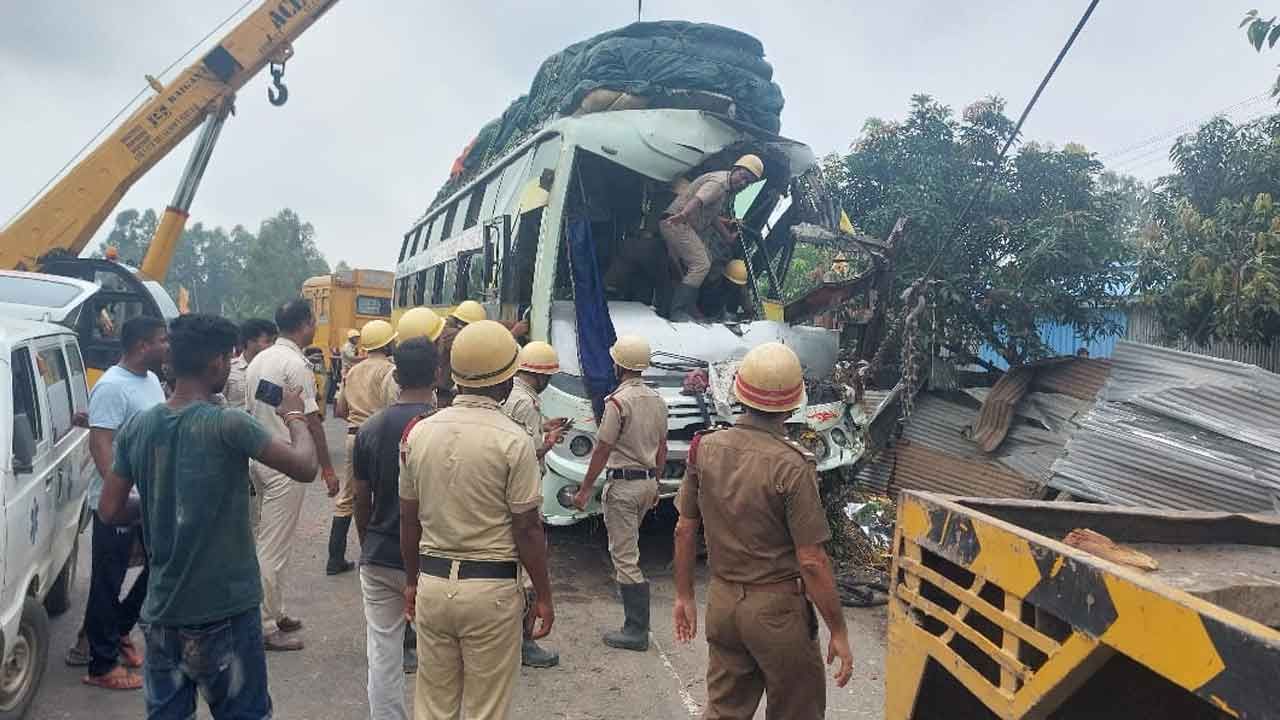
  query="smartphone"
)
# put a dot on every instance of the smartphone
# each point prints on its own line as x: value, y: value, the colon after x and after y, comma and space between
x: 269, y: 393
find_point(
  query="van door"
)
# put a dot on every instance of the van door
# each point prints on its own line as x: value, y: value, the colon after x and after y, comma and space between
x: 83, y: 461
x: 55, y: 386
x: 28, y: 515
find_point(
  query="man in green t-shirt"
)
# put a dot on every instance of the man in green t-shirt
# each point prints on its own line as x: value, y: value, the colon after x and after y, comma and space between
x: 190, y: 460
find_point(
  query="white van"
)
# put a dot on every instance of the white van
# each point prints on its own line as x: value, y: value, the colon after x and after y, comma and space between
x: 44, y: 472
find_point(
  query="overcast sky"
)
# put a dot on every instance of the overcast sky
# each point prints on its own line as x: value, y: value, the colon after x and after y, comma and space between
x: 385, y: 94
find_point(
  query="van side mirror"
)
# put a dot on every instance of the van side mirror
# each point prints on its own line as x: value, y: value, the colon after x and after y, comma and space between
x: 24, y: 444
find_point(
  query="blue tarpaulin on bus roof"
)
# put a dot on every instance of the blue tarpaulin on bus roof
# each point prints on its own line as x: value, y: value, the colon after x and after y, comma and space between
x: 595, y: 328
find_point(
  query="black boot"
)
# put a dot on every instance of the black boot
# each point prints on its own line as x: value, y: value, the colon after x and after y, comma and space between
x: 684, y: 303
x: 635, y: 629
x: 338, y: 562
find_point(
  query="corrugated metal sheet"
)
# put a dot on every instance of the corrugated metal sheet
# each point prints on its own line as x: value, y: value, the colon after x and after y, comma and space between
x: 1081, y: 378
x: 1142, y: 326
x: 1065, y: 340
x: 1180, y: 431
x: 992, y: 423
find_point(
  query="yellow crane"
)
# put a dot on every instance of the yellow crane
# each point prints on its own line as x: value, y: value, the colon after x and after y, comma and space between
x: 51, y: 233
x: 66, y: 217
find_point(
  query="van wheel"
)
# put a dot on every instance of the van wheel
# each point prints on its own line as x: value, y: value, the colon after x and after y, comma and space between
x: 58, y: 600
x: 20, y: 676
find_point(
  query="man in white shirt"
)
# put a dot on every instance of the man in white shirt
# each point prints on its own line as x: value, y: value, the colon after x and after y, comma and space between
x: 256, y: 335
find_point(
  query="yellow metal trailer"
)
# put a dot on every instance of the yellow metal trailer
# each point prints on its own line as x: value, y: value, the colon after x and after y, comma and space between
x: 991, y: 615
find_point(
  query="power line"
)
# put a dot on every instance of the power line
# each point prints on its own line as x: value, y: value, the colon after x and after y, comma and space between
x: 1184, y: 127
x: 127, y: 106
x: 984, y: 187
x: 1153, y: 154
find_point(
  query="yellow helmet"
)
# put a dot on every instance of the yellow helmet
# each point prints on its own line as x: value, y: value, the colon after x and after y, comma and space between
x: 352, y: 334
x: 770, y: 379
x: 539, y: 357
x: 376, y: 334
x: 736, y: 272
x: 631, y: 352
x: 420, y: 322
x: 469, y: 311
x: 751, y: 163
x: 484, y: 354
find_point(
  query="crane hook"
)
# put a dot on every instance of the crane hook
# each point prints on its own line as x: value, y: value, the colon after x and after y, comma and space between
x: 278, y: 94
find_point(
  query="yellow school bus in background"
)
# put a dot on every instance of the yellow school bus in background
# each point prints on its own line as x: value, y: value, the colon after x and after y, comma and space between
x: 346, y: 300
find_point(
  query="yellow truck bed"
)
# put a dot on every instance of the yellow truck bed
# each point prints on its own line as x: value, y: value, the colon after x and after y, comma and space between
x: 991, y: 615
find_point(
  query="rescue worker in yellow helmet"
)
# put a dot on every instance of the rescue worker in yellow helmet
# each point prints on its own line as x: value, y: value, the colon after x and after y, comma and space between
x: 631, y: 447
x: 351, y: 352
x: 727, y: 298
x: 538, y: 362
x: 368, y: 388
x: 466, y: 533
x: 467, y: 312
x: 695, y: 219
x: 420, y: 322
x: 755, y: 492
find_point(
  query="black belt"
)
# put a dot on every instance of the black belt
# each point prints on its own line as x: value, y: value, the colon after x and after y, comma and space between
x: 629, y: 474
x: 467, y: 569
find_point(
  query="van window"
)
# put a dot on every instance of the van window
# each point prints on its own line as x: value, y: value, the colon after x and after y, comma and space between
x: 57, y: 388
x: 24, y: 392
x: 449, y: 283
x: 78, y: 383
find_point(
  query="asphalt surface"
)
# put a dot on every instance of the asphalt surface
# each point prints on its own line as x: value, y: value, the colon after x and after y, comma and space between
x: 327, y: 679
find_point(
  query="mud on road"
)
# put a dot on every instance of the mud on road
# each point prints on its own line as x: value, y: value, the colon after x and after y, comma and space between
x: 326, y: 681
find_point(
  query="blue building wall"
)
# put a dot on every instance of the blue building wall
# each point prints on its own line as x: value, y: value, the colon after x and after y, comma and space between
x: 1064, y: 340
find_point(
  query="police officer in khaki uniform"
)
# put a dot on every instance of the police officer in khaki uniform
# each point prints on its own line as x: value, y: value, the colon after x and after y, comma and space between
x: 471, y: 480
x: 632, y: 443
x: 538, y: 362
x: 756, y: 493
x: 367, y: 390
x: 695, y: 218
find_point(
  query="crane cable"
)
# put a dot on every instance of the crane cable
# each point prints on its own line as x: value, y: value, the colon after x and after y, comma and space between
x: 145, y: 87
x: 984, y: 187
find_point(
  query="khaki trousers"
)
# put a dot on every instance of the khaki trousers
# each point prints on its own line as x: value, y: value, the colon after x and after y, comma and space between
x: 762, y: 642
x: 625, y: 504
x: 280, y: 504
x: 469, y: 635
x: 344, y: 503
x: 684, y: 246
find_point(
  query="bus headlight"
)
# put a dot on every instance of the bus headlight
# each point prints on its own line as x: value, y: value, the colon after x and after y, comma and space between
x: 580, y: 446
x: 566, y: 495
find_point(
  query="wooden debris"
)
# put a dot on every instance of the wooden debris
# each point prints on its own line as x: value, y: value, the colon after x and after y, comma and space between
x: 1098, y: 544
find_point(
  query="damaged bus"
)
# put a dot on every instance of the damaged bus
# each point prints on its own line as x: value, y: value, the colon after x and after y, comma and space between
x: 562, y: 231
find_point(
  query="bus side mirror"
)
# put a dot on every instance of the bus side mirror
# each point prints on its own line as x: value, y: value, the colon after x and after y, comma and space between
x: 24, y: 444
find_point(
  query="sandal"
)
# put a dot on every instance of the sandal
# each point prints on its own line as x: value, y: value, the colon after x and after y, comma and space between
x: 129, y: 655
x: 77, y: 657
x: 118, y: 679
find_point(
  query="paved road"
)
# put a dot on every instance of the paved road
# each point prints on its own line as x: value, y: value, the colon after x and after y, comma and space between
x: 327, y: 680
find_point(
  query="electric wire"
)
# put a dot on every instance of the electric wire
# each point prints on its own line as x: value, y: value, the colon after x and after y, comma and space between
x: 127, y: 106
x: 984, y: 186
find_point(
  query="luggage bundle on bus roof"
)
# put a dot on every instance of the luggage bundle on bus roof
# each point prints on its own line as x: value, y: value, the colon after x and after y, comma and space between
x: 646, y: 64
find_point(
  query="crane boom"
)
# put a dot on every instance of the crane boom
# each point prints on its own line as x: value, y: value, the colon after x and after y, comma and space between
x: 67, y: 216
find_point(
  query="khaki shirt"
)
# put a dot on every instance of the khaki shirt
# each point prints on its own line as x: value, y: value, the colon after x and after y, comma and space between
x: 235, y: 390
x: 285, y: 365
x: 756, y: 493
x: 524, y: 406
x: 470, y: 469
x: 712, y: 189
x: 635, y: 424
x: 366, y: 390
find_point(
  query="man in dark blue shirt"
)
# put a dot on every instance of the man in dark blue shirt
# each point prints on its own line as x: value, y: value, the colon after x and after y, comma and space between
x: 376, y: 482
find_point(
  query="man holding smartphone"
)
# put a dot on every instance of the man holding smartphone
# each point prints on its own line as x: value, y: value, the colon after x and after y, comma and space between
x: 284, y: 365
x: 189, y: 457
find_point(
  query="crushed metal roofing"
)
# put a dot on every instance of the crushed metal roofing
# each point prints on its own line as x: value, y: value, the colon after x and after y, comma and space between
x: 937, y: 451
x: 1177, y: 430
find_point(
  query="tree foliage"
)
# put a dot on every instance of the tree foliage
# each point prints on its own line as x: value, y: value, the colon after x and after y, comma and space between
x: 233, y: 273
x: 1262, y: 32
x: 1209, y: 261
x: 1047, y: 242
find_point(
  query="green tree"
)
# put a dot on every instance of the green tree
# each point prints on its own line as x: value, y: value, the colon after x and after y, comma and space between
x: 1260, y: 32
x: 280, y: 258
x: 131, y: 235
x: 1046, y: 245
x: 342, y: 266
x: 1209, y: 260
